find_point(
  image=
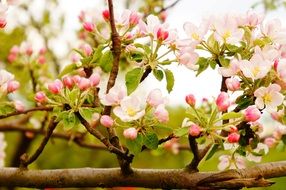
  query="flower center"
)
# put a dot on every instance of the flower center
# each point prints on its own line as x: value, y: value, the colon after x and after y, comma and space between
x: 195, y: 36
x: 255, y: 71
x: 267, y: 98
x: 227, y: 34
x: 131, y: 112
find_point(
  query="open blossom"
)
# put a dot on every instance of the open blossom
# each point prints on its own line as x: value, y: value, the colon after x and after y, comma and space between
x: 161, y: 114
x: 130, y: 109
x: 223, y: 101
x: 3, y: 145
x: 155, y: 98
x: 196, y: 34
x: 281, y: 65
x: 114, y: 96
x: 256, y: 68
x: 250, y: 18
x: 260, y: 147
x: 231, y: 162
x: 231, y: 70
x: 268, y: 97
x: 273, y: 29
x: 226, y: 29
x: 188, y: 57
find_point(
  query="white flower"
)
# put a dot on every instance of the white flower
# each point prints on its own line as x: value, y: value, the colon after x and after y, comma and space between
x: 269, y: 97
x: 130, y: 109
x: 231, y: 70
x: 195, y: 33
x: 259, y: 148
x: 273, y: 30
x: 114, y: 96
x: 229, y: 162
x: 256, y: 68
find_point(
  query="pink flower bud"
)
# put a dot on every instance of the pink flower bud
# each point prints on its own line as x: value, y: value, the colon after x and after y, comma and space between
x: 130, y: 133
x: 232, y: 84
x: 29, y: 51
x: 42, y: 51
x: 233, y: 137
x: 83, y: 84
x: 2, y: 22
x: 87, y: 49
x: 41, y: 97
x: 270, y: 142
x: 106, y: 121
x: 252, y: 114
x: 12, y: 57
x: 68, y: 82
x: 94, y: 79
x: 94, y: 119
x: 162, y: 34
x: 75, y: 58
x: 233, y: 129
x: 19, y: 106
x: 106, y: 15
x: 88, y: 26
x: 223, y: 101
x: 81, y: 16
x: 161, y: 114
x: 76, y: 79
x: 155, y: 98
x: 190, y: 99
x: 194, y: 130
x: 56, y: 86
x: 15, y: 50
x: 12, y: 86
x: 163, y: 16
x: 41, y: 60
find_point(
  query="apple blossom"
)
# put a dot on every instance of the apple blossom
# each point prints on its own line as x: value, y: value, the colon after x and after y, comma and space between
x: 231, y: 70
x: 223, y: 101
x: 256, y: 68
x: 84, y: 84
x: 114, y: 96
x: 88, y: 26
x: 190, y: 99
x: 68, y: 82
x: 130, y: 133
x: 12, y: 86
x: 195, y: 130
x: 55, y: 87
x: 106, y: 15
x: 189, y: 58
x: 134, y: 18
x: 196, y: 34
x: 162, y: 34
x: 161, y: 113
x: 280, y: 68
x: 87, y: 49
x: 270, y: 142
x: 268, y: 97
x: 130, y: 109
x: 274, y: 31
x: 106, y: 121
x: 41, y: 59
x: 155, y: 98
x: 232, y: 84
x: 226, y: 29
x: 231, y: 162
x: 254, y: 157
x: 252, y: 114
x: 250, y: 18
x: 172, y: 145
x: 41, y: 97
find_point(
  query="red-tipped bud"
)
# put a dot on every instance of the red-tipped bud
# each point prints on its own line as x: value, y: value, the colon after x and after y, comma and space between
x: 195, y: 130
x: 190, y: 99
x: 41, y: 97
x: 88, y: 26
x: 233, y: 137
x: 106, y: 15
x: 162, y: 34
x: 12, y: 86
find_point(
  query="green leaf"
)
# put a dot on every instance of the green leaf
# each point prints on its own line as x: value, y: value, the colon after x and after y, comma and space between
x: 70, y: 121
x: 233, y: 48
x: 158, y: 74
x: 244, y: 101
x: 170, y: 79
x: 6, y: 108
x: 231, y: 115
x: 132, y: 79
x: 151, y: 141
x: 203, y: 65
x: 67, y: 69
x: 135, y: 145
x: 212, y: 151
x: 223, y: 61
x: 181, y: 131
x: 97, y: 54
x: 73, y: 95
x: 106, y: 61
x: 163, y: 127
x: 86, y: 113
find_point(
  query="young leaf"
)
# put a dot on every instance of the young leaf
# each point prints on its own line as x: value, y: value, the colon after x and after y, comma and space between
x: 181, y: 131
x: 86, y: 113
x: 132, y: 79
x: 135, y: 145
x: 231, y: 115
x: 170, y: 79
x: 203, y: 65
x: 212, y: 151
x: 159, y: 75
x: 151, y: 141
x: 106, y: 61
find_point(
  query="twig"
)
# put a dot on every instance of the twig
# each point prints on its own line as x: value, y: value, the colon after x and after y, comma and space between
x: 170, y: 6
x: 25, y: 159
x: 193, y: 166
x: 42, y: 108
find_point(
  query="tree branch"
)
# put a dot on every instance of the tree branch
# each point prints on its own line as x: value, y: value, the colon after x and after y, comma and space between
x: 41, y: 108
x: 25, y: 159
x: 170, y: 6
x: 148, y: 178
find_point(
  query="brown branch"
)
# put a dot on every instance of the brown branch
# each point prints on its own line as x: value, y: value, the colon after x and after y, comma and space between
x: 193, y: 166
x: 146, y: 73
x: 25, y: 159
x: 42, y: 108
x: 169, y: 7
x: 148, y: 178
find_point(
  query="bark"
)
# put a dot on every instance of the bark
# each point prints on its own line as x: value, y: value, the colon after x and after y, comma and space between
x: 148, y: 178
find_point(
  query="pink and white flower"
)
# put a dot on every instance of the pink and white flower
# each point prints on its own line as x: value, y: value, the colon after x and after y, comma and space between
x: 5, y: 78
x: 268, y: 97
x: 252, y: 113
x: 260, y: 147
x: 231, y: 162
x: 19, y: 106
x: 106, y: 121
x: 56, y: 86
x: 155, y: 98
x: 114, y: 96
x: 273, y: 29
x: 130, y: 109
x: 3, y: 10
x: 231, y: 70
x: 232, y: 84
x: 161, y: 113
x: 196, y: 34
x: 130, y: 133
x: 223, y: 101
